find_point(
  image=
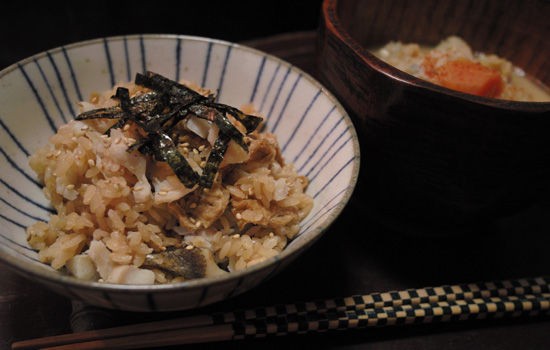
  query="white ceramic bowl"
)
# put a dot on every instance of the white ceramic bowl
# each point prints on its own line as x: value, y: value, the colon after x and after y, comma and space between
x: 40, y: 93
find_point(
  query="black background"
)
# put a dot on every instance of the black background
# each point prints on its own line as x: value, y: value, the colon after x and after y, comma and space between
x: 29, y: 27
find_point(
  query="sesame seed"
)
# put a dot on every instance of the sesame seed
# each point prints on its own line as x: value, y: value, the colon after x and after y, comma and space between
x: 85, y: 127
x: 105, y: 137
x: 235, y: 236
x: 70, y: 186
x: 126, y: 127
x: 271, y: 234
x: 203, y: 164
x: 201, y: 148
x: 196, y: 151
x: 185, y: 150
x: 190, y: 247
x: 57, y: 153
x: 73, y: 138
x: 162, y: 193
x: 185, y: 144
x: 198, y: 224
x: 138, y: 188
x: 117, y: 140
x: 206, y: 190
x: 192, y: 219
x: 238, y: 216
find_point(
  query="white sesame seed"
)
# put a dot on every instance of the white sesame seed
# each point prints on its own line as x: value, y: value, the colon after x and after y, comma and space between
x: 126, y: 127
x: 185, y: 144
x: 189, y: 247
x: 238, y: 216
x: 70, y: 186
x: 203, y: 164
x: 192, y: 219
x: 196, y: 151
x: 235, y: 236
x: 198, y: 224
x: 162, y: 193
x: 73, y: 138
x: 271, y: 234
x: 105, y: 137
x: 138, y: 188
x: 201, y: 148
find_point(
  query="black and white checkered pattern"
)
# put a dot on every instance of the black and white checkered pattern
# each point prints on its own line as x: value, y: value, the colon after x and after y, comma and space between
x: 496, y: 299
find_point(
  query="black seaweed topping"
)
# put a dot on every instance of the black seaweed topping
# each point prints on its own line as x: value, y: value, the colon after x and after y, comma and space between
x: 159, y: 111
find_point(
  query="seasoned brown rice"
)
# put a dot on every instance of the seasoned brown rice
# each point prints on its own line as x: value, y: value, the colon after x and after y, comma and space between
x: 114, y: 207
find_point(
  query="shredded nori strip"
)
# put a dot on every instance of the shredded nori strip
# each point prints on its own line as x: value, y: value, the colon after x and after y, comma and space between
x: 165, y: 150
x: 159, y: 111
x: 214, y: 160
x: 221, y: 121
x: 250, y: 122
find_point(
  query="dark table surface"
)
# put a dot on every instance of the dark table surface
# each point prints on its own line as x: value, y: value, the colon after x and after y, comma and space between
x: 357, y: 255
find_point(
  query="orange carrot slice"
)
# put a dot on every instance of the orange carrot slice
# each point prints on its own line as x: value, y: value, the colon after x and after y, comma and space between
x: 469, y: 77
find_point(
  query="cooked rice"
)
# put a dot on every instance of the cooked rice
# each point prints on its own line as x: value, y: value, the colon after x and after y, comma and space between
x: 135, y: 206
x: 412, y: 58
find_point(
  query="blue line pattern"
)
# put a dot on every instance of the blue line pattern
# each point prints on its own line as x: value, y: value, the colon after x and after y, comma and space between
x: 29, y: 200
x: 143, y: 54
x: 61, y: 84
x: 13, y: 138
x: 38, y: 98
x: 268, y: 90
x: 222, y: 76
x: 206, y: 64
x: 258, y: 77
x: 301, y: 121
x: 127, y: 60
x: 73, y: 75
x: 314, y: 133
x: 178, y: 58
x: 288, y: 97
x: 50, y: 90
x: 270, y: 113
x: 18, y: 168
x: 109, y: 62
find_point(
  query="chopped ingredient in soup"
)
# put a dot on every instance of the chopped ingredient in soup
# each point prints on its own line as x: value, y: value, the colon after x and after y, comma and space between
x: 454, y: 65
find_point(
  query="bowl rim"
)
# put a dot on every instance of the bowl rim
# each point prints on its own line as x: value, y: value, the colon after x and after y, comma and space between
x: 63, y: 279
x: 332, y: 22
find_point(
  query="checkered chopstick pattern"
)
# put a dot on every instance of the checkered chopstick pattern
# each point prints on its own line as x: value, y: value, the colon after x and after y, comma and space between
x: 511, y: 298
x: 428, y: 295
x: 446, y: 311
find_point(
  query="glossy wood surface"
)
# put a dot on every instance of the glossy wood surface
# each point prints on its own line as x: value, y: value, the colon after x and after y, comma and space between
x: 434, y: 160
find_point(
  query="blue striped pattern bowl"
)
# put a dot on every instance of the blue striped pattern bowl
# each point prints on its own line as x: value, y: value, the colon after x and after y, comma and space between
x: 41, y: 93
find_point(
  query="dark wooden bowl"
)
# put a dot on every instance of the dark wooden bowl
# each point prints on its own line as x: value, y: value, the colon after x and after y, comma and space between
x: 437, y: 160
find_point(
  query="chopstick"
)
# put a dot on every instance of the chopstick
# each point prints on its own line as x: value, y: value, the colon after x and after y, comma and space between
x: 237, y: 324
x: 478, y: 308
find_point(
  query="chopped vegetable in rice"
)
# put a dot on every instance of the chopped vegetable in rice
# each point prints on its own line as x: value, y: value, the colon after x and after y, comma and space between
x: 158, y: 183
